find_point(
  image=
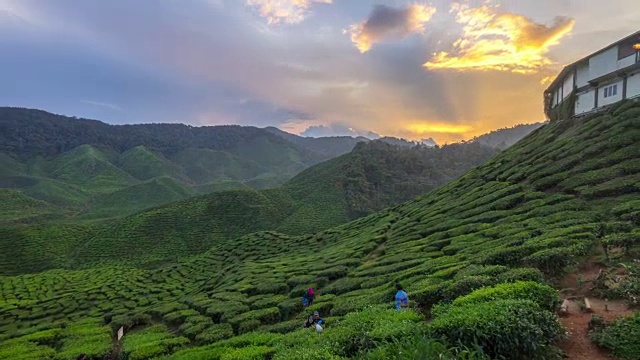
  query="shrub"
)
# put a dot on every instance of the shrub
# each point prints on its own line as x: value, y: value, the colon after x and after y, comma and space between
x: 491, y: 270
x: 215, y: 333
x: 225, y: 310
x: 178, y: 317
x: 290, y: 307
x: 248, y: 326
x: 300, y: 280
x: 267, y: 316
x: 249, y: 353
x: 151, y: 342
x: 621, y: 337
x: 343, y: 285
x: 422, y: 348
x: 545, y: 296
x: 552, y: 261
x: 465, y: 286
x: 622, y: 240
x: 363, y: 330
x: 357, y: 332
x: 334, y: 273
x: 510, y: 256
x: 515, y: 329
x: 521, y: 274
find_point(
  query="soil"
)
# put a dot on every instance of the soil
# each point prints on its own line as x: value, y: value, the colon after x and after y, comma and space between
x: 578, y: 346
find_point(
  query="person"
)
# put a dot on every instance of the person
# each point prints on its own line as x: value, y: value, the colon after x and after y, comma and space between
x: 314, y: 320
x: 307, y: 298
x: 310, y: 296
x: 401, y: 298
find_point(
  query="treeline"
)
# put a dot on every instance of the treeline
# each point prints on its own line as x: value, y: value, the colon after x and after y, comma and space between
x: 381, y: 175
x: 26, y: 133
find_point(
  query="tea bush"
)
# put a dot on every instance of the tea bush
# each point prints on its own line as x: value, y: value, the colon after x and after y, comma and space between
x: 420, y: 347
x: 621, y: 337
x: 515, y: 329
x: 545, y: 296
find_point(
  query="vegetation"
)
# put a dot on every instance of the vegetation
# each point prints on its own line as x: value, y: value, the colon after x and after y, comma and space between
x: 620, y: 337
x: 88, y: 168
x: 505, y: 137
x: 543, y: 204
x: 373, y: 176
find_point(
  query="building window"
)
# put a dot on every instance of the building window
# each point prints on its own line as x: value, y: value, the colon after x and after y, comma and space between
x: 611, y: 90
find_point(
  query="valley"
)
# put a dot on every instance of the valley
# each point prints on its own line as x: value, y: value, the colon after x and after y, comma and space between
x: 481, y: 253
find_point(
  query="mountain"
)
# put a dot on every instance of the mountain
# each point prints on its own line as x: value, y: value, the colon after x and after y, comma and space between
x: 89, y: 169
x: 331, y: 146
x: 477, y: 255
x: 505, y: 137
x: 374, y: 176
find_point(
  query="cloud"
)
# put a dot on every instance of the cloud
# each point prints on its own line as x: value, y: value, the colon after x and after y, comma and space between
x: 103, y: 104
x: 284, y: 11
x: 337, y: 129
x: 500, y: 41
x: 385, y: 21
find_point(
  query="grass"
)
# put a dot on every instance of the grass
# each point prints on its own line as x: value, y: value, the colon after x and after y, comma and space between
x: 454, y: 249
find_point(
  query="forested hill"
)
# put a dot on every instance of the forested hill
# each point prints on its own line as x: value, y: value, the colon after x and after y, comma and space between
x: 377, y: 174
x: 78, y: 167
x: 330, y: 146
x: 373, y: 176
x: 505, y: 137
x: 27, y: 133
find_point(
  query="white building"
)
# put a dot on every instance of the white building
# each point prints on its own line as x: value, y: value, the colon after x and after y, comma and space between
x: 603, y: 78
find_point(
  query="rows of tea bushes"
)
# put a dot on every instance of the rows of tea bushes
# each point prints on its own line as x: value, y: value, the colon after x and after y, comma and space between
x: 473, y: 256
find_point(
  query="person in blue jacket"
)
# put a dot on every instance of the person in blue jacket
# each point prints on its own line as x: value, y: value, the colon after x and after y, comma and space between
x: 401, y: 298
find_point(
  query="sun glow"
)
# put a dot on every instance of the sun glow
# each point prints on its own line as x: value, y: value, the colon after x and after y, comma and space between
x: 430, y: 128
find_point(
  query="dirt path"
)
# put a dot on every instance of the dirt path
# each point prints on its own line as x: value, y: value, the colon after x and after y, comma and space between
x: 576, y: 322
x: 578, y: 346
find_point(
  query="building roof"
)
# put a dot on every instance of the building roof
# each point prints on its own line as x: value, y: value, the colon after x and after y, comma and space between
x: 569, y: 68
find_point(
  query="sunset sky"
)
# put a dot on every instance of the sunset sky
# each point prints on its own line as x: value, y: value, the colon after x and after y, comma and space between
x: 442, y: 69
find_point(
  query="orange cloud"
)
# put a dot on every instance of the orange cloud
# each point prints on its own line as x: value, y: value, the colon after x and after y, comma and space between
x: 385, y: 21
x: 284, y: 11
x: 500, y: 41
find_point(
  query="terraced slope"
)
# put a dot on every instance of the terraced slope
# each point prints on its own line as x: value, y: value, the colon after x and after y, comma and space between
x: 537, y: 208
x: 373, y: 176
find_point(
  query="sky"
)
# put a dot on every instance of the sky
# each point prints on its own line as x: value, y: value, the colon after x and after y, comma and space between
x: 447, y: 70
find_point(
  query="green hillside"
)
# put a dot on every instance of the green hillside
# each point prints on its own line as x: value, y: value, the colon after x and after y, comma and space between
x: 144, y: 164
x: 92, y: 169
x: 135, y: 198
x: 474, y: 255
x: 373, y: 176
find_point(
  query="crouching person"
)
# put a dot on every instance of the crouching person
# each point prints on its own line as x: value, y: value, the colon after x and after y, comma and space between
x: 315, y: 321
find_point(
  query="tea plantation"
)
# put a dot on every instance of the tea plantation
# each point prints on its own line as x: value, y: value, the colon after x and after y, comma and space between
x: 476, y: 257
x: 373, y: 176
